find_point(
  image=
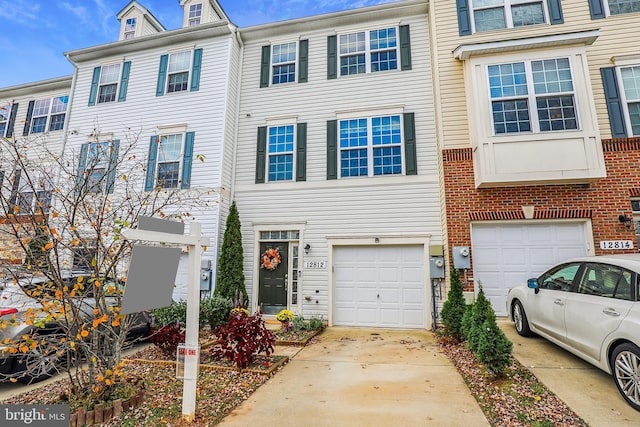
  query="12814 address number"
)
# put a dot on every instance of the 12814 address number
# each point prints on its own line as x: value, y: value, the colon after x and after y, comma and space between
x: 616, y: 244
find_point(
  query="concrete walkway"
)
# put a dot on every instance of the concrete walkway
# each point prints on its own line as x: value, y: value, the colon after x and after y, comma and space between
x: 363, y: 377
x: 589, y: 392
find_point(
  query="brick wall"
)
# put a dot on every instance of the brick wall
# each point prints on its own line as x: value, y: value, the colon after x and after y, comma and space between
x: 601, y: 201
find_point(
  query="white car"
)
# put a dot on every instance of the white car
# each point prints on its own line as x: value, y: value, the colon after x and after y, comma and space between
x: 589, y: 306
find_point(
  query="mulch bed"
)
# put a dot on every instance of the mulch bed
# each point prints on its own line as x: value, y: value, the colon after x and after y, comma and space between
x: 518, y: 399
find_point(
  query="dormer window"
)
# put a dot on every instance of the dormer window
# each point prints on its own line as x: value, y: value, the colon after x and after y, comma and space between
x: 195, y: 14
x: 130, y: 28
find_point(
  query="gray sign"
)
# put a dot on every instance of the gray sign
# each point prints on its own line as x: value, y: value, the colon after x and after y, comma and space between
x: 151, y: 278
x: 161, y: 225
x: 34, y: 415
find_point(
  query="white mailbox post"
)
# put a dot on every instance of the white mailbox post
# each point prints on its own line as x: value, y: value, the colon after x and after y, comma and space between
x: 195, y: 242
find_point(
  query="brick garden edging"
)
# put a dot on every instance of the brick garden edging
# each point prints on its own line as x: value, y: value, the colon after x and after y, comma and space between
x: 268, y: 372
x: 298, y: 343
x: 101, y: 414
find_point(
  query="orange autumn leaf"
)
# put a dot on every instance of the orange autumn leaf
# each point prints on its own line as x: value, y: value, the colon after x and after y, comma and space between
x: 84, y: 333
x: 48, y: 246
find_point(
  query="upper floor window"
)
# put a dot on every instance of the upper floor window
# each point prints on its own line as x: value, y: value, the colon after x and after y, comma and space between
x: 370, y: 146
x: 496, y: 14
x: 283, y: 63
x: 5, y: 113
x: 169, y: 162
x: 486, y: 15
x: 109, y: 83
x: 109, y: 78
x: 179, y: 64
x: 281, y: 153
x: 97, y: 166
x: 532, y: 96
x: 178, y: 72
x: 195, y: 14
x: 46, y: 115
x: 617, y: 7
x: 130, y: 28
x: 31, y: 194
x: 630, y: 78
x: 368, y: 51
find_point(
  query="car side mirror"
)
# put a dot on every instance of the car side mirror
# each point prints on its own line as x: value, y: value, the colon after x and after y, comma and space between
x: 533, y: 284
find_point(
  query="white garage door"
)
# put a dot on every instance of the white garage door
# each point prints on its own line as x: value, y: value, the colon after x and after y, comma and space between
x: 507, y: 255
x: 381, y: 286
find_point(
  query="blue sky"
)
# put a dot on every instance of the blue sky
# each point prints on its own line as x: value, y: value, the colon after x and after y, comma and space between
x: 35, y: 33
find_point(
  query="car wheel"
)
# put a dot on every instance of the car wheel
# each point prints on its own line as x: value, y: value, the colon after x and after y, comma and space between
x: 42, y: 362
x: 625, y: 364
x: 520, y: 319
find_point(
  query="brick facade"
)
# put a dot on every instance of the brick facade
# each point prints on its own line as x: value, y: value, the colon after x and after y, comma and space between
x: 602, y: 201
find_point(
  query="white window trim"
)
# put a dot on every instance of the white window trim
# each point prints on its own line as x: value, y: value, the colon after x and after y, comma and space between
x: 507, y: 4
x: 189, y: 70
x: 607, y: 10
x: 367, y: 47
x: 191, y: 20
x: 278, y: 123
x: 370, y: 146
x: 133, y: 32
x: 531, y: 98
x: 180, y: 159
x: 296, y: 62
x: 8, y: 107
x: 118, y: 81
x: 49, y: 115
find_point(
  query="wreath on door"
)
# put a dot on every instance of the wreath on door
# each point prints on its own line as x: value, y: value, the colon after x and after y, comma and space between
x: 270, y: 259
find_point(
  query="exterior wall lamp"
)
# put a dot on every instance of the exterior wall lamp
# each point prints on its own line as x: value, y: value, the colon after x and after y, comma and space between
x: 307, y: 248
x: 625, y: 220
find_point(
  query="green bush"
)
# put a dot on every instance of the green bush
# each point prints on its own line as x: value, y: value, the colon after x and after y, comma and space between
x: 453, y: 308
x: 215, y: 310
x: 467, y: 321
x: 313, y: 324
x: 494, y: 348
x: 175, y: 313
x: 230, y: 278
x: 479, y: 312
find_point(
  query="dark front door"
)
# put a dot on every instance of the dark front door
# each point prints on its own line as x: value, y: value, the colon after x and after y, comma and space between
x: 274, y: 266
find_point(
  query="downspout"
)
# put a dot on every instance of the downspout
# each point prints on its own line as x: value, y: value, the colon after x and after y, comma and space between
x: 237, y: 115
x: 69, y: 105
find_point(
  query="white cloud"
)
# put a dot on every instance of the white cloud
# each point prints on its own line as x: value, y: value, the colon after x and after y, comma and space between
x: 20, y: 11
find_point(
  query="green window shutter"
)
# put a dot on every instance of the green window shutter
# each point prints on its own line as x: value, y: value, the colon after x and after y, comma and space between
x: 301, y: 152
x: 303, y: 62
x: 405, y: 48
x: 27, y: 120
x: 82, y: 161
x: 410, y: 158
x: 332, y: 149
x: 464, y: 17
x: 124, y: 81
x: 555, y: 12
x: 187, y: 160
x: 95, y: 81
x: 597, y: 9
x: 15, y: 186
x: 151, y: 163
x: 195, y: 72
x: 162, y: 75
x: 261, y: 155
x: 265, y: 66
x: 332, y: 57
x: 113, y: 165
x: 614, y: 103
x: 12, y: 120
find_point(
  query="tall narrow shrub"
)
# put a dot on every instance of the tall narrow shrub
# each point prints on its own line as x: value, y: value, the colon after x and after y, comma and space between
x: 454, y: 307
x: 230, y: 277
x: 478, y: 315
x: 494, y: 348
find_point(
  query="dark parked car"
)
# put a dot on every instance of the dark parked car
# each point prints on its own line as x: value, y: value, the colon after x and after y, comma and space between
x: 589, y: 306
x: 46, y: 336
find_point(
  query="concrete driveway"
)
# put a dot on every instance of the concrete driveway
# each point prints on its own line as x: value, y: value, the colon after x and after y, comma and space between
x: 590, y: 392
x: 363, y: 377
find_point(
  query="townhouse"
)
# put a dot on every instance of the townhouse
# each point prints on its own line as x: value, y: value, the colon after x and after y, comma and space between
x: 166, y: 99
x: 537, y: 112
x: 336, y: 175
x: 34, y: 113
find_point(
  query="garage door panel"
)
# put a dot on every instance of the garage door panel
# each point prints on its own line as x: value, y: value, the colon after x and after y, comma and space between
x: 505, y: 255
x: 387, y: 286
